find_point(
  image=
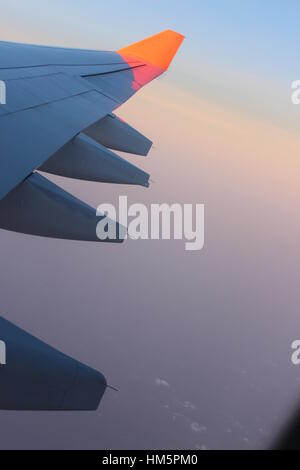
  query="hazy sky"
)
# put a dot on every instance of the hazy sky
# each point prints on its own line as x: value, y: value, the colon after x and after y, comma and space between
x: 197, y: 343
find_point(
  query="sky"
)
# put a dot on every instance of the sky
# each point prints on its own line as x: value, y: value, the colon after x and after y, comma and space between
x: 197, y: 343
x: 238, y: 55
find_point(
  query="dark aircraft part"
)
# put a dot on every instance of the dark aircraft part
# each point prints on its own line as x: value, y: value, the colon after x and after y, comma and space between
x: 36, y: 377
x: 289, y: 438
x: 116, y: 134
x: 85, y: 159
x: 39, y: 207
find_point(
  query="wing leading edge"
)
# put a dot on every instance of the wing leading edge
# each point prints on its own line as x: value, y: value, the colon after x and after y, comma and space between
x: 59, y: 119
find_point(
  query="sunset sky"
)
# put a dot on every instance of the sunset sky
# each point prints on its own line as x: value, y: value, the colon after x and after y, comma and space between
x: 216, y: 326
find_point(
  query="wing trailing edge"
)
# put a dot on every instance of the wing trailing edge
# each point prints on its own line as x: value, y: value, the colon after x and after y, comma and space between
x: 116, y: 134
x: 39, y: 207
x: 85, y: 159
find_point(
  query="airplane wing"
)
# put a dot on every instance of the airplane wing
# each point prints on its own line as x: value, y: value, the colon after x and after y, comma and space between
x: 36, y: 377
x: 58, y: 118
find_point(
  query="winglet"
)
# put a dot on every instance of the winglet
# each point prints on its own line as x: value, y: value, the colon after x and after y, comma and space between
x: 158, y: 50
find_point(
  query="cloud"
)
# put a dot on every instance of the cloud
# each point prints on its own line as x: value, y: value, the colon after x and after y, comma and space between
x: 197, y: 428
x: 201, y: 447
x: 162, y: 383
x: 188, y: 405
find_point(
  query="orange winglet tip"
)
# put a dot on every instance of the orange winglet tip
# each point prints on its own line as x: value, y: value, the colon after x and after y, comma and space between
x: 158, y: 50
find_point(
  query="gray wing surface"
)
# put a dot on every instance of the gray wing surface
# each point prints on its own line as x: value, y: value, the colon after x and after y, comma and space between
x: 56, y: 96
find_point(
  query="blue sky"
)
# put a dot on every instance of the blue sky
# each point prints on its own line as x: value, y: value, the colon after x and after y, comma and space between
x: 260, y: 35
x: 240, y: 54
